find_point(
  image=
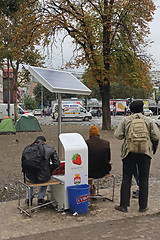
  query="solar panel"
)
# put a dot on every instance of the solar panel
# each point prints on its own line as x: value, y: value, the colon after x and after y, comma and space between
x: 59, y: 81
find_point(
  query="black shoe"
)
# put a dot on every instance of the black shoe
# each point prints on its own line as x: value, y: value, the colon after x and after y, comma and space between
x: 136, y: 194
x: 143, y: 209
x: 41, y: 201
x: 121, y: 209
x: 27, y: 201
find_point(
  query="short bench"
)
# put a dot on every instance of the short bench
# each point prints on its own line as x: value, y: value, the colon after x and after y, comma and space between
x: 97, y: 182
x: 29, y: 185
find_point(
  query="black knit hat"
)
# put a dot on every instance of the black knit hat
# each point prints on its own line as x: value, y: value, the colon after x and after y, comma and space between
x: 136, y: 106
x: 41, y: 138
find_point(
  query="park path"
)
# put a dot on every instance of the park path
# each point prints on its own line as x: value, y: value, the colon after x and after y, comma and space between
x: 101, y: 222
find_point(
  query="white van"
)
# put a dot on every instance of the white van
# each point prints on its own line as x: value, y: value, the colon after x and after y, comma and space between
x: 4, y: 112
x: 71, y: 111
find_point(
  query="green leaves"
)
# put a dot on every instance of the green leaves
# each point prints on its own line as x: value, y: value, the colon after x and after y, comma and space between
x: 47, y: 95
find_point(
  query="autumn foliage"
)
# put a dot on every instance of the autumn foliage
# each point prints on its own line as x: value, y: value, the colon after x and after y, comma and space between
x: 110, y: 38
x: 20, y: 32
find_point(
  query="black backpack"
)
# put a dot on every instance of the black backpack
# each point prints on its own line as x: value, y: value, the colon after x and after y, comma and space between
x: 34, y: 164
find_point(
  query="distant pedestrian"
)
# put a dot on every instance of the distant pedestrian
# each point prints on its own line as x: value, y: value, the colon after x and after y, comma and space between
x: 48, y: 112
x: 114, y: 111
x: 99, y: 112
x: 43, y: 111
x: 136, y: 153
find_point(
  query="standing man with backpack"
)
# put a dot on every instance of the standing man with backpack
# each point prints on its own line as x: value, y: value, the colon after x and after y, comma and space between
x: 38, y: 161
x: 137, y: 131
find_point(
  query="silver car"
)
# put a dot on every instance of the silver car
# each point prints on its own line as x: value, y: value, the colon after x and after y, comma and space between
x: 37, y: 112
x: 147, y: 112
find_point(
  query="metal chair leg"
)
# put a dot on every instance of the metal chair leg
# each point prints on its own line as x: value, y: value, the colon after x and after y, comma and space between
x: 98, y: 195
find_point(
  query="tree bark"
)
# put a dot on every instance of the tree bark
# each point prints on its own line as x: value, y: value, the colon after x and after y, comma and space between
x: 15, y: 105
x: 105, y: 87
x: 15, y: 79
x: 106, y: 117
x: 15, y: 95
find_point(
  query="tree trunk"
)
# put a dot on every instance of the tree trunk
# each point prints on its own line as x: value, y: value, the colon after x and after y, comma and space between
x: 9, y: 109
x: 106, y: 117
x: 105, y: 89
x: 15, y: 96
x: 15, y: 105
x: 15, y: 79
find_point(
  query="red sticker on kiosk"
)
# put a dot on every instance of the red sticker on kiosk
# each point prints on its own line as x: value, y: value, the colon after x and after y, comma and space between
x: 83, y: 198
x: 77, y: 179
x: 76, y: 159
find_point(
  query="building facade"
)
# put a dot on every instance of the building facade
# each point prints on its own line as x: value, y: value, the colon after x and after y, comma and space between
x: 155, y: 77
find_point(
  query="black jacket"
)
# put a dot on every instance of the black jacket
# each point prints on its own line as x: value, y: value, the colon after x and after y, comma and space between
x: 98, y: 157
x: 44, y: 171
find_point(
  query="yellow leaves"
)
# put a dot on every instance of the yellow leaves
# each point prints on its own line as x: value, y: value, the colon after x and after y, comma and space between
x: 20, y: 33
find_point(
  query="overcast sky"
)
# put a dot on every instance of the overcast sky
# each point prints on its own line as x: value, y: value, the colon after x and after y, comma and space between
x: 155, y: 36
x: 154, y: 50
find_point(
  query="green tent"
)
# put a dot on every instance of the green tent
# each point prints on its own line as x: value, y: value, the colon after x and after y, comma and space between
x: 28, y: 123
x: 7, y: 126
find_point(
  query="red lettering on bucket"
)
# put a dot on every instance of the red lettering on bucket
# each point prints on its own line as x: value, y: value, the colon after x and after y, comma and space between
x: 82, y: 198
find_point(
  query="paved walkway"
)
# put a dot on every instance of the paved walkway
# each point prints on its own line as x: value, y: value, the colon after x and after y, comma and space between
x: 135, y: 228
x: 101, y: 222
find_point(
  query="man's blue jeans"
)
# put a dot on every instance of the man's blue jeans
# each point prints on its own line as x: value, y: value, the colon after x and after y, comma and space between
x: 41, y: 193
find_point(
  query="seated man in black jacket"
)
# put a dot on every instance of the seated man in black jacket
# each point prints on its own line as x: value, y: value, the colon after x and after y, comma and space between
x: 43, y: 171
x: 98, y: 155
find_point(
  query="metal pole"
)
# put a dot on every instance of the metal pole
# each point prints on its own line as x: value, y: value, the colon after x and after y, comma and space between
x: 41, y: 95
x: 59, y: 122
x: 8, y: 88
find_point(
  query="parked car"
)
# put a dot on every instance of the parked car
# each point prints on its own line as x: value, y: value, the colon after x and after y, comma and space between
x: 71, y: 111
x: 37, y: 112
x: 4, y: 110
x: 95, y: 113
x: 147, y: 112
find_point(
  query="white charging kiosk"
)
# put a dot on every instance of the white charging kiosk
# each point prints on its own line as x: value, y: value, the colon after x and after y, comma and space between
x: 76, y: 167
x: 75, y: 148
